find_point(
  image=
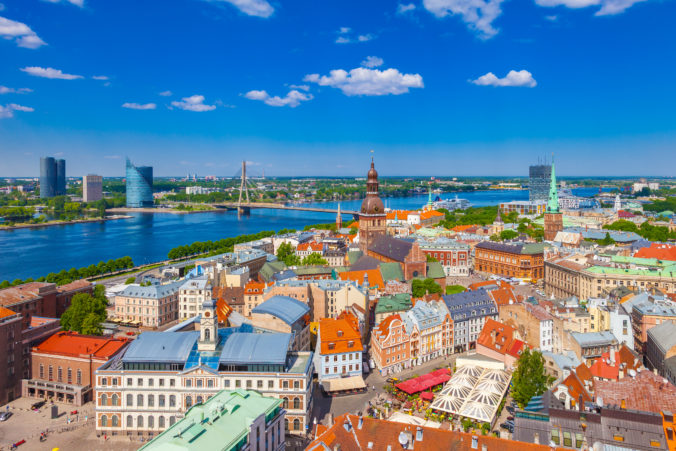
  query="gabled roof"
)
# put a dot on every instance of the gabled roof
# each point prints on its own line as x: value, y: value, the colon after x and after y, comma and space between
x: 496, y: 336
x: 285, y: 308
x: 394, y: 303
x: 663, y: 335
x: 392, y: 271
x: 576, y: 388
x: 72, y: 344
x: 375, y: 279
x: 5, y: 312
x: 152, y: 291
x: 365, y: 262
x: 435, y: 270
x: 470, y: 304
x: 390, y: 247
x: 503, y: 296
x: 338, y: 336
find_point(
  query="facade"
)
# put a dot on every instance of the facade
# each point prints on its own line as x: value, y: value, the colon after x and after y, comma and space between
x: 253, y: 296
x: 286, y: 315
x: 238, y: 420
x: 139, y: 186
x: 553, y: 216
x: 47, y: 177
x: 392, y: 304
x: 469, y: 311
x: 152, y: 306
x: 646, y: 313
x: 660, y: 347
x: 60, y: 177
x: 521, y: 260
x: 523, y: 207
x: 63, y: 366
x: 539, y: 179
x: 372, y: 217
x: 339, y: 348
x: 453, y: 255
x: 192, y: 294
x: 430, y: 327
x: 162, y: 374
x: 12, y: 352
x: 92, y: 188
x: 497, y: 341
x: 390, y: 345
x: 534, y: 325
x: 591, y: 346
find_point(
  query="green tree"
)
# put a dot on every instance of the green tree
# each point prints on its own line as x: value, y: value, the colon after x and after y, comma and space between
x: 86, y: 312
x: 607, y: 240
x: 130, y: 280
x: 287, y: 254
x: 529, y: 378
x: 508, y: 234
x: 431, y: 259
x: 420, y: 287
x: 453, y: 289
x: 314, y: 259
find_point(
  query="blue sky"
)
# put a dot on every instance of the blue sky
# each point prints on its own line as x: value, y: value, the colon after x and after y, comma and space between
x: 435, y: 87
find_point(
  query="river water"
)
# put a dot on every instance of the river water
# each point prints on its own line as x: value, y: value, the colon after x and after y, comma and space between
x: 147, y: 237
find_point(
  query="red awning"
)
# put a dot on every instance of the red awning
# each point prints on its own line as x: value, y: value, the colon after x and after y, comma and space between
x: 426, y: 381
x: 427, y: 396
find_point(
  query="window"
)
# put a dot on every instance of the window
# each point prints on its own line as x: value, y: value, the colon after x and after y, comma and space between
x: 104, y: 400
x: 198, y: 383
x: 139, y: 421
x: 151, y: 382
x: 130, y: 400
x: 161, y: 422
x: 296, y: 424
x: 42, y: 371
x: 151, y: 422
x: 199, y: 400
x: 79, y: 377
x: 271, y: 384
x: 129, y: 383
x: 248, y: 384
x: 130, y: 421
x: 285, y: 403
x: 567, y: 439
x: 172, y: 383
x: 139, y: 400
x: 238, y: 383
x: 114, y: 400
x: 104, y: 421
x: 578, y: 440
x: 115, y: 422
x: 210, y: 383
x: 296, y: 403
x: 259, y: 384
x: 188, y: 401
x: 70, y: 375
x: 188, y: 382
x: 285, y: 384
x: 160, y: 400
x: 227, y: 383
x: 296, y: 385
x: 104, y: 381
x: 172, y: 420
x: 139, y: 382
x: 172, y: 400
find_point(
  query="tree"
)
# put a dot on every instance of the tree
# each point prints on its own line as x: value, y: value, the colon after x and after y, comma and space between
x: 287, y: 254
x: 86, y: 312
x: 431, y: 259
x: 453, y: 289
x: 508, y: 234
x: 607, y: 240
x: 529, y: 378
x: 130, y: 280
x: 421, y: 287
x: 314, y: 259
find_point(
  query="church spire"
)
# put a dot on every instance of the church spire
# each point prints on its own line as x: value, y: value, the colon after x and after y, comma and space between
x: 553, y: 202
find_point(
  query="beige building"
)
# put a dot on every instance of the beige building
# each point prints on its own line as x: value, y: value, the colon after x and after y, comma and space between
x: 92, y: 188
x: 191, y: 295
x: 534, y: 325
x: 151, y: 306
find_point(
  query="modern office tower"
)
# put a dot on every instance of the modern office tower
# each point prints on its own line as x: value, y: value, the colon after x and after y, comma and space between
x: 538, y: 186
x: 48, y: 185
x: 60, y: 177
x: 139, y: 186
x: 92, y: 188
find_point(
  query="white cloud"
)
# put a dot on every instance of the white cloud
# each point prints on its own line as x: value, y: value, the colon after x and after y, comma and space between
x: 478, y: 14
x: 139, y: 106
x: 79, y: 3
x: 292, y: 99
x: 258, y: 8
x: 404, y: 8
x: 301, y: 87
x: 345, y: 38
x: 6, y: 90
x: 193, y: 103
x: 552, y: 18
x: 521, y: 78
x: 342, y: 40
x: 100, y: 77
x: 48, y: 72
x: 7, y: 111
x: 344, y: 30
x: 364, y: 37
x: 20, y: 33
x: 166, y: 93
x: 608, y: 7
x: 372, y: 61
x: 368, y: 82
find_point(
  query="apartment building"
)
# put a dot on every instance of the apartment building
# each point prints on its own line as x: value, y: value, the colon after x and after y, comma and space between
x: 148, y: 306
x: 523, y: 260
x: 192, y: 294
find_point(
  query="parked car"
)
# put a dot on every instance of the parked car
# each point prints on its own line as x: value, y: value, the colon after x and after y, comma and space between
x: 510, y: 418
x: 38, y: 404
x: 4, y: 416
x: 510, y: 409
x: 508, y: 426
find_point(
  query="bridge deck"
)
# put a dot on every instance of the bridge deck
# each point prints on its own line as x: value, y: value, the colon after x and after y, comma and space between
x: 272, y: 206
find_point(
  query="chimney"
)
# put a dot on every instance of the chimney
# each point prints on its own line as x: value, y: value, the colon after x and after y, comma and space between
x: 580, y: 403
x: 361, y: 421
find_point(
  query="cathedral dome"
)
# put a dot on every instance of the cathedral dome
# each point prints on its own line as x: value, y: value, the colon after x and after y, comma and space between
x: 372, y: 205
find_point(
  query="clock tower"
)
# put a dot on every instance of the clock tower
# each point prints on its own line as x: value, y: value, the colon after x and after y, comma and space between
x: 208, y: 327
x: 372, y: 217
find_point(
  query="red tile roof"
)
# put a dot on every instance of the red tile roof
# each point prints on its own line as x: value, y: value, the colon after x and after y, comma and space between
x: 337, y: 334
x: 503, y: 296
x: 74, y: 286
x: 496, y: 336
x: 21, y: 293
x: 75, y: 345
x: 647, y: 392
x: 659, y: 251
x: 253, y: 288
x: 310, y: 245
x: 374, y: 276
x: 576, y: 388
x: 5, y: 312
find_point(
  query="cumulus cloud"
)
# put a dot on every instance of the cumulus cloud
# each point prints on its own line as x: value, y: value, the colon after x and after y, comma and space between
x: 258, y: 8
x: 139, y: 106
x: 372, y: 61
x: 342, y: 40
x: 6, y: 90
x: 344, y: 30
x: 364, y: 37
x: 368, y: 82
x: 521, y: 78
x: 478, y: 14
x: 608, y: 7
x: 21, y: 33
x: 79, y: 3
x: 7, y: 111
x: 193, y: 103
x: 292, y: 99
x: 48, y: 72
x: 166, y: 93
x: 404, y: 8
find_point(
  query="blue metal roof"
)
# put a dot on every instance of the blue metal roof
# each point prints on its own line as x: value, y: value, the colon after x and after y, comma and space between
x: 247, y: 348
x: 470, y: 304
x: 170, y: 347
x: 285, y: 308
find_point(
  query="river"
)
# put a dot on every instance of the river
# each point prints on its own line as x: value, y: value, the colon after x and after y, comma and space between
x: 147, y: 237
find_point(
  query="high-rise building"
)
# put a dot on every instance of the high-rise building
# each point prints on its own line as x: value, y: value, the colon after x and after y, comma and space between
x: 372, y: 217
x: 139, y: 186
x: 553, y: 216
x: 539, y: 181
x: 92, y: 188
x: 60, y: 177
x: 47, y: 177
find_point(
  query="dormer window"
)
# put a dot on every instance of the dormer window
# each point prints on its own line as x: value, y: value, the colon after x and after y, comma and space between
x: 332, y: 346
x: 340, y: 333
x: 350, y: 344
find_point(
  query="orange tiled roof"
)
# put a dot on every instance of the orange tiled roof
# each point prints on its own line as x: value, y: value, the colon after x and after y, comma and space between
x: 601, y: 369
x: 463, y: 228
x: 576, y: 388
x: 253, y: 287
x: 496, y: 336
x: 401, y: 215
x: 384, y: 326
x: 75, y: 345
x: 310, y: 245
x: 429, y: 214
x: 336, y: 336
x: 503, y: 296
x: 659, y: 251
x: 5, y: 312
x: 374, y: 276
x: 347, y: 434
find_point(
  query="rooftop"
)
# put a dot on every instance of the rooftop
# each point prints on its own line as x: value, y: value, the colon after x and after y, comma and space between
x: 285, y: 308
x: 6, y: 313
x: 394, y: 303
x: 72, y: 344
x: 470, y: 304
x: 646, y: 392
x: 391, y: 247
x: 594, y: 338
x: 513, y: 248
x: 339, y: 336
x: 250, y: 348
x: 152, y: 291
x: 24, y: 292
x: 375, y: 279
x: 664, y: 335
x: 171, y: 347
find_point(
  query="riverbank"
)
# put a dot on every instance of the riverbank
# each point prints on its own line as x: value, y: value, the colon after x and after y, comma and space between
x: 157, y: 210
x: 58, y: 222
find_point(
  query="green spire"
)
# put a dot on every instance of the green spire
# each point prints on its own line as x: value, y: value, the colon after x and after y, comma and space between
x: 429, y: 196
x: 553, y: 202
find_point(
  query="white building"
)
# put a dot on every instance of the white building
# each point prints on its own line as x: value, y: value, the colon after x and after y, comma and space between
x: 638, y: 186
x: 191, y: 295
x: 339, y: 349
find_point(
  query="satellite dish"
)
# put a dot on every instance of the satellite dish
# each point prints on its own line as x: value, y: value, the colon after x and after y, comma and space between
x: 403, y: 439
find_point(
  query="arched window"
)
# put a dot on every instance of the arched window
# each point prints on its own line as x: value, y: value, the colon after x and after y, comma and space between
x: 104, y: 400
x: 285, y: 403
x: 151, y: 422
x: 115, y: 422
x: 139, y: 421
x: 172, y: 400
x: 139, y: 400
x: 198, y: 383
x: 188, y: 401
x: 151, y: 400
x: 161, y: 422
x: 114, y: 400
x: 296, y: 403
x: 199, y: 400
x: 130, y: 421
x: 207, y: 334
x: 296, y: 424
x: 104, y: 421
x: 130, y: 400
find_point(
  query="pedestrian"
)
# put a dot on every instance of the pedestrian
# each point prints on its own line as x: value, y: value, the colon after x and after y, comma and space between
x: 374, y: 387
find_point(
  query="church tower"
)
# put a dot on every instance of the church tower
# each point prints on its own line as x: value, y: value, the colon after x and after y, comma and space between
x: 208, y: 327
x: 339, y: 220
x: 372, y: 217
x: 553, y: 217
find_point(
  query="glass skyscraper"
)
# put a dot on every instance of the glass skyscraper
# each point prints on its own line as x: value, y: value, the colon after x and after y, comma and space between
x: 139, y: 186
x: 47, y: 177
x: 538, y: 186
x: 60, y: 177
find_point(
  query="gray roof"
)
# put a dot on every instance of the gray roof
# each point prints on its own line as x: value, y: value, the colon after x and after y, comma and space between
x: 249, y: 348
x: 196, y: 283
x: 594, y: 338
x: 568, y: 360
x: 513, y: 248
x: 599, y: 234
x: 364, y: 263
x: 470, y: 304
x: 152, y: 291
x: 391, y: 247
x: 285, y: 308
x: 663, y: 335
x: 170, y: 347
